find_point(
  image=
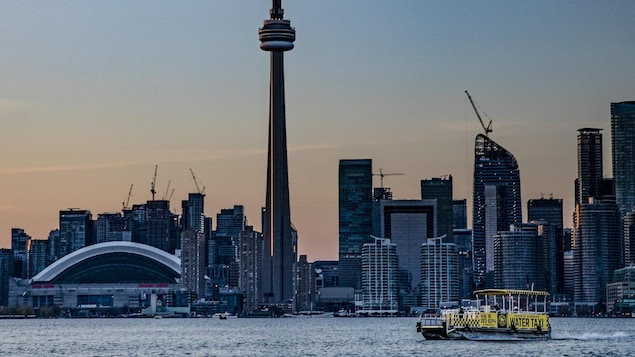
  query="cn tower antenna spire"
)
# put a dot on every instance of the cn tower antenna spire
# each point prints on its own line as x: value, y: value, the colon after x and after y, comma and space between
x: 276, y: 10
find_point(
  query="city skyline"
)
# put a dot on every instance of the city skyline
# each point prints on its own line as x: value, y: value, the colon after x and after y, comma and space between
x: 95, y: 94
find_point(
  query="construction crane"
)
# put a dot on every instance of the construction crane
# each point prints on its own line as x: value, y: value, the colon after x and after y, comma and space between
x: 167, y: 190
x: 198, y: 189
x: 171, y: 194
x: 488, y: 129
x: 381, y: 175
x: 154, y: 182
x: 127, y: 202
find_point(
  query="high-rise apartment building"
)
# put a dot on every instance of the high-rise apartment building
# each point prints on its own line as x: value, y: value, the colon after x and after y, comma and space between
x: 518, y: 258
x: 161, y: 226
x: 623, y: 150
x: 596, y: 243
x: 193, y: 262
x: 224, y: 245
x: 251, y: 268
x: 6, y: 272
x: 355, y: 218
x: 548, y: 213
x: 439, y: 273
x: 276, y: 37
x: 590, y: 180
x: 440, y: 188
x: 111, y: 227
x: 379, y: 276
x: 76, y: 231
x: 496, y: 201
x: 194, y: 212
x: 629, y: 238
x: 38, y: 257
x: 20, y: 247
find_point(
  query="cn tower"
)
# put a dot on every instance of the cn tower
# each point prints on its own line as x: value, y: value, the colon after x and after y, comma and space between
x: 276, y: 37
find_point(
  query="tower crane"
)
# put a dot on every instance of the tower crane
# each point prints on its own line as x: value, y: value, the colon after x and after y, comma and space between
x: 198, y: 189
x: 167, y: 190
x: 154, y: 182
x: 127, y: 202
x: 488, y: 129
x: 381, y: 175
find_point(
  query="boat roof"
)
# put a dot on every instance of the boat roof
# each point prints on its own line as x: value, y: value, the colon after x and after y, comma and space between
x: 510, y: 292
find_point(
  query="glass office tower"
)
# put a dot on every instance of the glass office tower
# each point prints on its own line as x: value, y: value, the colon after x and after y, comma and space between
x: 496, y: 184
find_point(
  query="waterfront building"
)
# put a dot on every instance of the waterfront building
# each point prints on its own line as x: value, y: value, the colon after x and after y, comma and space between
x: 620, y: 293
x: 6, y: 272
x: 104, y: 279
x: 38, y: 257
x: 20, y: 246
x: 439, y: 273
x: 193, y: 267
x: 408, y: 224
x: 276, y: 37
x: 623, y: 150
x: 550, y: 256
x: 459, y: 208
x: 76, y: 230
x: 327, y: 273
x: 597, y: 250
x: 355, y: 218
x: 518, y: 258
x: 596, y: 240
x: 496, y: 201
x: 304, y: 298
x: 380, y: 266
x: 440, y: 189
x: 251, y: 268
x: 629, y: 238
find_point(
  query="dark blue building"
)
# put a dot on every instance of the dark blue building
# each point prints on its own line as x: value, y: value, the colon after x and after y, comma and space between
x: 496, y: 201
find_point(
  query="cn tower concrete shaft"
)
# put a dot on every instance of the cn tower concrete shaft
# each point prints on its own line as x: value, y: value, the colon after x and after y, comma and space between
x: 276, y: 37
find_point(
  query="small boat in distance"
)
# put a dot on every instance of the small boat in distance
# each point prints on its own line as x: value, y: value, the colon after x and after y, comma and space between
x: 499, y: 314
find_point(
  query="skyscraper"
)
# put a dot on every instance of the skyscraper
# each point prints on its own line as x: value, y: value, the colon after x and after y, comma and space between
x: 355, y: 218
x: 439, y: 273
x: 518, y: 258
x: 549, y: 213
x: 20, y: 242
x: 590, y: 171
x: 76, y: 231
x: 596, y: 242
x: 276, y: 37
x: 623, y: 149
x: 379, y: 272
x: 495, y: 167
x: 440, y: 188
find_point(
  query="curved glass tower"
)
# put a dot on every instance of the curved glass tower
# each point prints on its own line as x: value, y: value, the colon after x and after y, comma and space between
x: 496, y: 201
x: 276, y: 37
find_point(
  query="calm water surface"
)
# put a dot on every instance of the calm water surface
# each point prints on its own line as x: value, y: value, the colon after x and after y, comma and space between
x: 294, y: 337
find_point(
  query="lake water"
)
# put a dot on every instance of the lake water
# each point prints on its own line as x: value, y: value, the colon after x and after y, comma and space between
x: 302, y: 336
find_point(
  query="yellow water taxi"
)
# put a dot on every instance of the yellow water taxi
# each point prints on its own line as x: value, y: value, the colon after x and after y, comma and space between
x: 498, y: 314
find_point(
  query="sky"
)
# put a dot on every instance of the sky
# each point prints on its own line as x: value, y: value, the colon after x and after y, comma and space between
x: 94, y: 94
